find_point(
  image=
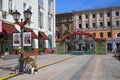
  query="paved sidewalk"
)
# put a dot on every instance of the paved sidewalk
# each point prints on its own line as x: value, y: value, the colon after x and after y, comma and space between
x: 42, y: 60
x: 94, y: 70
x: 103, y: 67
x: 110, y: 68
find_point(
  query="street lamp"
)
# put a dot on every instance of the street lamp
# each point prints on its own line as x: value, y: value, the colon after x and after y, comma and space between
x: 16, y: 16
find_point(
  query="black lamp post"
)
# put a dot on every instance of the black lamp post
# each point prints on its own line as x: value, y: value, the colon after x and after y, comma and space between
x: 16, y: 16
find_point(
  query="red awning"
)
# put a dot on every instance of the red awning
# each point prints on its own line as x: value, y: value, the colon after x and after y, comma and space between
x: 10, y: 29
x: 44, y: 35
x: 32, y: 32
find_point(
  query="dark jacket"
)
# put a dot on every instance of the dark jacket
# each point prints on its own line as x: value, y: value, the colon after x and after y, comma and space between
x: 118, y: 48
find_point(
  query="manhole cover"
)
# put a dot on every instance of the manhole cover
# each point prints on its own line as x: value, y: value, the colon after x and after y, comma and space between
x: 116, y: 76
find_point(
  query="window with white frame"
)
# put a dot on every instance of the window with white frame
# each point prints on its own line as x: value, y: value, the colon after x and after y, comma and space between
x: 24, y: 6
x: 118, y: 35
x: 40, y: 3
x: 40, y: 19
x: 101, y: 24
x: 117, y: 13
x: 49, y: 5
x: 80, y: 25
x: 10, y: 4
x: 30, y: 8
x: 101, y: 15
x: 87, y: 25
x: 0, y: 4
x: 101, y: 34
x: 117, y: 23
x: 94, y: 25
x: 49, y: 23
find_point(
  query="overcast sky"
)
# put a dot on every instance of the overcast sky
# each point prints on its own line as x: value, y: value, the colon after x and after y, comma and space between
x: 69, y: 5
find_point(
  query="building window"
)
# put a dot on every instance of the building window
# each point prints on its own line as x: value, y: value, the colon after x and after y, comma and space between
x: 40, y: 3
x: 93, y: 15
x: 67, y: 19
x: 80, y: 26
x: 108, y: 14
x: 58, y: 20
x: 10, y: 4
x: 79, y: 17
x: 67, y: 26
x: 118, y: 35
x: 70, y: 18
x: 109, y: 34
x: 117, y: 13
x: 101, y: 34
x: 0, y: 4
x: 101, y: 15
x: 101, y: 24
x: 117, y: 23
x: 94, y: 34
x: 108, y: 23
x: 49, y: 23
x: 24, y: 6
x: 49, y: 5
x: 30, y: 8
x: 87, y: 25
x: 94, y: 25
x: 40, y: 19
x: 86, y: 16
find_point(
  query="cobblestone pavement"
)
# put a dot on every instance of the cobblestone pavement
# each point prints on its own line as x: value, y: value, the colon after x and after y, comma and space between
x: 84, y: 67
x: 110, y: 67
x: 103, y: 67
x: 7, y: 65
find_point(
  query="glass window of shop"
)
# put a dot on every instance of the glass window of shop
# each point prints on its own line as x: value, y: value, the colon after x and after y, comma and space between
x: 5, y: 45
x: 41, y: 44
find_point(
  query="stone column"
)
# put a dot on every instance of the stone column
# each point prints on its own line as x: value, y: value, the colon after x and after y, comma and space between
x: 90, y: 20
x: 97, y: 20
x: 83, y: 21
x: 113, y: 21
x: 105, y: 19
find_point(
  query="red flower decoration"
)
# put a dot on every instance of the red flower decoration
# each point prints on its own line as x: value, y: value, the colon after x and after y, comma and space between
x: 21, y: 24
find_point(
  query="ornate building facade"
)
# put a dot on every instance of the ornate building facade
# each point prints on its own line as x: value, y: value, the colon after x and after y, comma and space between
x: 64, y: 24
x: 41, y: 26
x: 102, y: 23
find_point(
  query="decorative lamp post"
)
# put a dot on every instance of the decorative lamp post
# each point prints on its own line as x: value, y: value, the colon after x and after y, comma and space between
x: 16, y: 16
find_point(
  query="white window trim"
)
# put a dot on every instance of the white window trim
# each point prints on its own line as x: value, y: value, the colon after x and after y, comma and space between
x: 117, y: 34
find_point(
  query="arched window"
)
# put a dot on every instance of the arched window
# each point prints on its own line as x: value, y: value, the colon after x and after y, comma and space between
x: 118, y: 35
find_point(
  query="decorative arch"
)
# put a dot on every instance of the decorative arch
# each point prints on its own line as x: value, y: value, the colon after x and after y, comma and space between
x: 78, y: 32
x: 118, y: 35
